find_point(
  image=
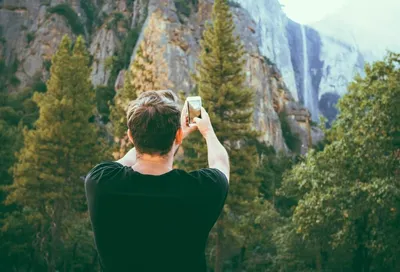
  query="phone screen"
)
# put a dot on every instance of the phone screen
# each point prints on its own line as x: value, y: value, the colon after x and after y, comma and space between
x: 194, y: 109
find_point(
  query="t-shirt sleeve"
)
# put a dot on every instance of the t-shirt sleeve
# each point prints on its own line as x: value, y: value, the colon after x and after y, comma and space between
x: 213, y: 188
x: 214, y: 183
x: 102, y: 173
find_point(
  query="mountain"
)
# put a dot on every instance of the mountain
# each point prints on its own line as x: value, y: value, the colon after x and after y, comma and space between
x: 288, y: 65
x: 316, y: 67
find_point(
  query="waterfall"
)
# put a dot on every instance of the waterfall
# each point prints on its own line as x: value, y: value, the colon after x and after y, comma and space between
x: 307, y: 87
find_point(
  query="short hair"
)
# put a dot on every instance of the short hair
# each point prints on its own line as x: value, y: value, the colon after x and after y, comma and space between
x: 154, y: 118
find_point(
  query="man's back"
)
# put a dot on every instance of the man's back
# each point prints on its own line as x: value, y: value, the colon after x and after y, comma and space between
x: 153, y: 223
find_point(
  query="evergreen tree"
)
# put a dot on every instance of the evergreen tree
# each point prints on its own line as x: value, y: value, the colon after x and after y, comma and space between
x: 221, y: 84
x: 16, y: 110
x: 62, y: 147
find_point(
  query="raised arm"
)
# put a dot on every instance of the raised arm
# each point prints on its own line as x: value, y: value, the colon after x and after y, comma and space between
x: 217, y: 155
x: 129, y: 159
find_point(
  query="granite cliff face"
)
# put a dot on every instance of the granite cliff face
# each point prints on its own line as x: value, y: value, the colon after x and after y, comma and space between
x: 316, y: 68
x: 31, y: 35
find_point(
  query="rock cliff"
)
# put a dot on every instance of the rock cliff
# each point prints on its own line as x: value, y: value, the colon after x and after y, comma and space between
x: 32, y: 30
x: 316, y: 68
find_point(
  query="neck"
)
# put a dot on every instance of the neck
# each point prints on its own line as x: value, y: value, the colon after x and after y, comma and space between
x: 153, y: 165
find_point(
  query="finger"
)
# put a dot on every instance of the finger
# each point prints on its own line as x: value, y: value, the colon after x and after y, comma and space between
x: 193, y: 127
x: 196, y: 120
x: 184, y: 111
x: 203, y: 112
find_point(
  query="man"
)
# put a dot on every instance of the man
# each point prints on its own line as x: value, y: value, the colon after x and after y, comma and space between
x: 146, y: 215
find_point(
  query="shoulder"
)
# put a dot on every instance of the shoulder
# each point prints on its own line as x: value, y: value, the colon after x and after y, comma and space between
x: 104, y: 171
x: 212, y: 178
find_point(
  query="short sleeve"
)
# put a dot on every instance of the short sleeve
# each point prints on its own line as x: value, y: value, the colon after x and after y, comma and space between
x: 214, y: 182
x: 213, y: 187
x: 101, y: 173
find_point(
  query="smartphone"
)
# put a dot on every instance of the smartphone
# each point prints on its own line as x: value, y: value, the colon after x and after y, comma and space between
x: 194, y: 108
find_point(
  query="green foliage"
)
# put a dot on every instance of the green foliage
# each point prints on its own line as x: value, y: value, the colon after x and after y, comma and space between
x: 90, y: 11
x: 292, y: 140
x: 117, y: 17
x: 39, y: 86
x: 70, y: 15
x: 336, y: 209
x: 30, y: 36
x: 14, y: 81
x: 185, y: 8
x: 16, y: 110
x: 129, y: 3
x: 122, y: 58
x: 271, y: 171
x: 109, y: 62
x: 2, y: 39
x: 349, y: 193
x: 127, y: 47
x: 104, y: 95
x: 118, y: 110
x: 221, y: 84
x: 119, y: 62
x: 55, y: 156
x: 47, y: 65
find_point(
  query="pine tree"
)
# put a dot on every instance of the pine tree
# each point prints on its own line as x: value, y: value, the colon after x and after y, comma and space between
x: 221, y: 84
x: 57, y: 153
x: 145, y: 74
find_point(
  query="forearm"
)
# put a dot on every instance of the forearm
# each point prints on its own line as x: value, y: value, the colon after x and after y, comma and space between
x: 129, y: 159
x: 217, y: 154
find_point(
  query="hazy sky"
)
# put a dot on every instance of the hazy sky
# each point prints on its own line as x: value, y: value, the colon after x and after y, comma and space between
x: 310, y: 11
x: 372, y: 23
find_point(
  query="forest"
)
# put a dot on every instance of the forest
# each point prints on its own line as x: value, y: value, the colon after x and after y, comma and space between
x: 336, y: 208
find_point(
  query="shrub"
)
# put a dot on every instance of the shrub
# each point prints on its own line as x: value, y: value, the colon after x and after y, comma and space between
x: 70, y: 15
x: 123, y: 58
x: 90, y: 11
x: 2, y: 39
x: 30, y: 36
x: 47, y: 65
x: 39, y: 86
x: 183, y: 7
x: 292, y: 140
x: 14, y: 81
x: 117, y: 17
x: 3, y: 66
x: 128, y: 45
x: 109, y: 62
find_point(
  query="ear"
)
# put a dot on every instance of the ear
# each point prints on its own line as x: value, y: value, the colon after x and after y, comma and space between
x: 129, y: 132
x: 179, y: 136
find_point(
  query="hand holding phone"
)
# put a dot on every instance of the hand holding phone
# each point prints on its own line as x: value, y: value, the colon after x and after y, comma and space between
x: 193, y: 108
x: 204, y: 125
x: 188, y: 125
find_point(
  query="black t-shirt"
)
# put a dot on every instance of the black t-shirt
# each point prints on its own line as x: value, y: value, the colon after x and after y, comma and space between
x: 153, y: 223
